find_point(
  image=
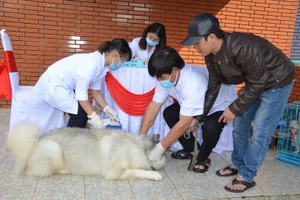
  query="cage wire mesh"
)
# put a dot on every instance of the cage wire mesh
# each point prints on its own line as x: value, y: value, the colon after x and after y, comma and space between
x: 288, y: 146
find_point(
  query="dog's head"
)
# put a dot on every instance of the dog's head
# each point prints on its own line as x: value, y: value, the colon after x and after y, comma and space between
x: 149, y: 141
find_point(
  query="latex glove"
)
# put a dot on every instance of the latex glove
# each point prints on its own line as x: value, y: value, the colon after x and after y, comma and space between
x: 96, y: 121
x: 110, y: 112
x: 156, y: 153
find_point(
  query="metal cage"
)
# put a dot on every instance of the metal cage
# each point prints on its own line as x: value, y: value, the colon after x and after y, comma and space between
x: 288, y: 146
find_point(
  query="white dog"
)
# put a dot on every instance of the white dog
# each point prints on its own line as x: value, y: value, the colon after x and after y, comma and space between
x: 111, y: 153
x: 294, y: 127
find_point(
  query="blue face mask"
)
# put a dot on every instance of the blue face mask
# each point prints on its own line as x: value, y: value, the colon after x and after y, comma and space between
x: 168, y: 83
x: 150, y: 43
x: 114, y: 67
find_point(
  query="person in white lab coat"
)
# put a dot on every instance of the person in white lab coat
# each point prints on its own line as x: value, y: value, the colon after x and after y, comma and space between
x: 154, y: 36
x: 188, y: 86
x: 64, y: 85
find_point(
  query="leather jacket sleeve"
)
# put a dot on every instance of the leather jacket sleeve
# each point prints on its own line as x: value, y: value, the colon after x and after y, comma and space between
x: 254, y: 68
x: 246, y: 58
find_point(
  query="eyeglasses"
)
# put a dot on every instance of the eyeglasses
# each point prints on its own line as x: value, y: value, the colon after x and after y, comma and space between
x: 123, y: 59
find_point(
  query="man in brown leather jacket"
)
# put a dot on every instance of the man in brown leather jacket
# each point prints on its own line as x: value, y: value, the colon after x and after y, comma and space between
x: 268, y: 74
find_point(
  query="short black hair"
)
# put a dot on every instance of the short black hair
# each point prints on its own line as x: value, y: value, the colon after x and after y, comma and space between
x: 219, y: 34
x: 163, y: 60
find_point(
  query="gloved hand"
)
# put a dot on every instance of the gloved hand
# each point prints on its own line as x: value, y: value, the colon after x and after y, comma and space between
x: 156, y: 153
x: 110, y: 112
x: 96, y: 121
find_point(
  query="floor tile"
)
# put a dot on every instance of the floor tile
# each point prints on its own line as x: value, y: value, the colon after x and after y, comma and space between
x: 145, y: 189
x: 276, y: 180
x: 98, y: 188
x: 59, y: 187
x: 12, y: 186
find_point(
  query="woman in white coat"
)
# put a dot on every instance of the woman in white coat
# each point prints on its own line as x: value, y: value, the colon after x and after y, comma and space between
x: 64, y: 85
x: 154, y: 36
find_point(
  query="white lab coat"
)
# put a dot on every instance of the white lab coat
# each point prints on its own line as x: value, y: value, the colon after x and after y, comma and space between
x: 138, y: 53
x: 57, y: 84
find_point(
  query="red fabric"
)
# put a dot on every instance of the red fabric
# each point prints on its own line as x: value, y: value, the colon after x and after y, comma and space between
x: 130, y: 103
x: 6, y: 66
x: 10, y: 62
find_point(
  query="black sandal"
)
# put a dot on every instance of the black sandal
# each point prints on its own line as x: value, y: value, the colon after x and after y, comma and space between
x: 228, y: 168
x: 181, y: 154
x: 245, y: 183
x: 205, y: 164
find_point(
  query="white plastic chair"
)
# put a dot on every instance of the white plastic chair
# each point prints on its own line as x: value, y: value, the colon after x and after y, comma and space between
x: 26, y: 105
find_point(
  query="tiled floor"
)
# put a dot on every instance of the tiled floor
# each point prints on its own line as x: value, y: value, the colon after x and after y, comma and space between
x: 275, y: 180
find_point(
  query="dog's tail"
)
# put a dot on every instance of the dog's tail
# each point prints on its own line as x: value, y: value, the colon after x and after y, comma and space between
x: 21, y: 141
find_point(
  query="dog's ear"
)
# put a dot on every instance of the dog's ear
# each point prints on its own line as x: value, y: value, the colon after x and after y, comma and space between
x: 155, y: 138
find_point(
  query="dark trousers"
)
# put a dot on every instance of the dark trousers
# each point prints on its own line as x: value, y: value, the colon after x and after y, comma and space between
x: 211, y: 131
x: 78, y: 120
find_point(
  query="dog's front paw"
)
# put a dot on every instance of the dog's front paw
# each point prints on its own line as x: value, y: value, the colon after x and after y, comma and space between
x: 156, y: 176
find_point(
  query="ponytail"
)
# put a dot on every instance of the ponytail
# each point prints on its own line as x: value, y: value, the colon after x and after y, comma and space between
x: 103, y: 47
x: 119, y: 45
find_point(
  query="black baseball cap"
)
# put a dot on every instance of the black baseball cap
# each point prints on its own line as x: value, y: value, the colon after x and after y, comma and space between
x: 201, y: 25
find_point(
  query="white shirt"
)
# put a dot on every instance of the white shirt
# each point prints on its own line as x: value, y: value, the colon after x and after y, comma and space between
x: 76, y: 72
x: 138, y: 53
x: 190, y: 92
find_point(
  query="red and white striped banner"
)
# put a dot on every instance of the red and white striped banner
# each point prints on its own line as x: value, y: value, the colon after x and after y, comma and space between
x: 8, y: 68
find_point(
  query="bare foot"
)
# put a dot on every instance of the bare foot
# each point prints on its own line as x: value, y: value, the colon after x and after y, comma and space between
x: 226, y: 171
x: 203, y: 164
x: 239, y: 187
x: 199, y: 167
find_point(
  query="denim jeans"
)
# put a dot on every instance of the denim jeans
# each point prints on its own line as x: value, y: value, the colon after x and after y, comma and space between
x: 249, y: 153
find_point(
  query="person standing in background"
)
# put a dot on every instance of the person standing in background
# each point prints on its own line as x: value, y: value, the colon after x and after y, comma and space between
x: 154, y: 36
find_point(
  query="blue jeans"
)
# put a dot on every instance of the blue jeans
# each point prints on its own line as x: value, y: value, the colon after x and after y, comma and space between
x: 249, y: 153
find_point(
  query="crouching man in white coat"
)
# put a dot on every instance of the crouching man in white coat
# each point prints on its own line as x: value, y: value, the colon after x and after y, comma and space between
x: 64, y: 85
x: 188, y: 86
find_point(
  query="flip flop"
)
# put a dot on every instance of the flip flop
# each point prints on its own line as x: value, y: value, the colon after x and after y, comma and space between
x: 228, y: 168
x: 245, y: 183
x: 205, y: 164
x: 181, y: 154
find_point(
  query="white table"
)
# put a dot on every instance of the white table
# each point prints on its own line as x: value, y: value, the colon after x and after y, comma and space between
x: 137, y: 81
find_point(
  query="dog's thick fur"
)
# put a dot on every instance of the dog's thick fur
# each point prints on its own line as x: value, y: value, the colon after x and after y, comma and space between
x: 110, y: 153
